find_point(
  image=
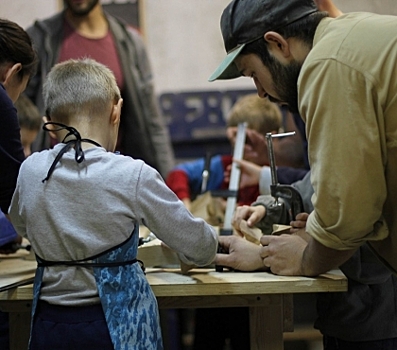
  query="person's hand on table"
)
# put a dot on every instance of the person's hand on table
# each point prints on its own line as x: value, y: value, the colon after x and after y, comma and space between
x: 283, y: 254
x: 240, y: 254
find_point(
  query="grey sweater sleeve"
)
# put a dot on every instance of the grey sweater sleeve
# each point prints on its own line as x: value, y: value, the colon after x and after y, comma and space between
x: 165, y: 215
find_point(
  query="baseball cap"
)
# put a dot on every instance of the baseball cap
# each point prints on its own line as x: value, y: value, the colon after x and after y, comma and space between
x: 244, y: 21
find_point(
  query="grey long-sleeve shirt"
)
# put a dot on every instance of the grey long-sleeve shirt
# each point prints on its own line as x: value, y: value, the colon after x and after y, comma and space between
x: 87, y: 208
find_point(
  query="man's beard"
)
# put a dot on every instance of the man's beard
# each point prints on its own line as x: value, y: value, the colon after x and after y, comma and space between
x: 285, y: 82
x: 81, y: 11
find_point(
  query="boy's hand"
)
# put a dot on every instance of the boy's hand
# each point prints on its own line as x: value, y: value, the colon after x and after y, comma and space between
x: 298, y: 226
x: 250, y: 173
x: 255, y: 148
x: 252, y: 214
x: 299, y: 222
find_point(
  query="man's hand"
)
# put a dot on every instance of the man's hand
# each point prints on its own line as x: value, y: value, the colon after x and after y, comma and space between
x: 293, y: 255
x: 283, y: 254
x: 242, y: 254
x: 252, y: 214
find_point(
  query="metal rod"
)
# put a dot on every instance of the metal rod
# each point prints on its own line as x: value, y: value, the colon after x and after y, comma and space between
x: 272, y: 162
x: 235, y: 176
x: 290, y: 133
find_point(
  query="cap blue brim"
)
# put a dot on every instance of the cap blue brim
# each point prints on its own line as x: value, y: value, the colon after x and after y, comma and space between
x: 227, y: 69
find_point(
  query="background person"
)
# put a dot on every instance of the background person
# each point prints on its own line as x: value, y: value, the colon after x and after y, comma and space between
x: 261, y: 117
x: 82, y: 30
x: 17, y: 64
x: 213, y: 328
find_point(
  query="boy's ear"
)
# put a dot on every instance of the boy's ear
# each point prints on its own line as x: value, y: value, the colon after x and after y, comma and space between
x: 116, y: 112
x: 10, y: 72
x: 52, y: 134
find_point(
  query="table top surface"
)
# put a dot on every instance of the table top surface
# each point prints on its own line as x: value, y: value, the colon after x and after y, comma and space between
x: 167, y: 282
x: 206, y: 281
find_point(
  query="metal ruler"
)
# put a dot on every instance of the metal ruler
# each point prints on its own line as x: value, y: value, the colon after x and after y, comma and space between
x: 234, y: 178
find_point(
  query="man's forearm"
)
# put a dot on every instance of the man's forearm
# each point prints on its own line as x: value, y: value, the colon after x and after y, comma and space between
x: 318, y: 258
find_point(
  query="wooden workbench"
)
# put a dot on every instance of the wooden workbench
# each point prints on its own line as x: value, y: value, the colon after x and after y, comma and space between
x: 268, y: 297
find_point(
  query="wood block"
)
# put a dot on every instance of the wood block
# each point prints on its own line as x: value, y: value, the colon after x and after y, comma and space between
x: 252, y: 234
x: 279, y: 229
x: 156, y: 254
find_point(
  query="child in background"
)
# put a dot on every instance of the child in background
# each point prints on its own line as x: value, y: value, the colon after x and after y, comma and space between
x: 80, y: 205
x: 214, y: 326
x: 262, y: 116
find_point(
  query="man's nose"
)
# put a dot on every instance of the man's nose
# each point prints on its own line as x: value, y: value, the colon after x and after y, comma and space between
x: 261, y: 91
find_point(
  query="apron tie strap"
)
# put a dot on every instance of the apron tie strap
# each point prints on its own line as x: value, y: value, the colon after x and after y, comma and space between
x: 76, y: 143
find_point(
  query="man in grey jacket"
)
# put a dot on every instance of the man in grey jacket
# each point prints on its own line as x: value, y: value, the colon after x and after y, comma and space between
x: 84, y: 30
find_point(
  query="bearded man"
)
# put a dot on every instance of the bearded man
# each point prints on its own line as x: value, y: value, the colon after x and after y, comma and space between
x: 340, y: 74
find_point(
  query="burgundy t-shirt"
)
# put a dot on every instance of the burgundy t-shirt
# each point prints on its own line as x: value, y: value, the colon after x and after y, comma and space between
x: 102, y: 50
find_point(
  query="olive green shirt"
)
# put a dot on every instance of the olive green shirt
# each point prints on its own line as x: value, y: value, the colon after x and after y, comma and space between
x: 348, y: 99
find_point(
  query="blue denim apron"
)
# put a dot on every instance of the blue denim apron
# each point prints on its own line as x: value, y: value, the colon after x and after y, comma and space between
x: 127, y: 299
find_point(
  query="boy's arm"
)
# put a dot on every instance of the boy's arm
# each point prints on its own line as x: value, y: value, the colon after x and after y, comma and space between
x: 158, y: 208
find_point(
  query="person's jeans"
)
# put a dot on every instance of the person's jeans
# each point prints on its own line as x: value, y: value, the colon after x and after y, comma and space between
x: 4, y: 331
x: 61, y: 328
x: 331, y: 343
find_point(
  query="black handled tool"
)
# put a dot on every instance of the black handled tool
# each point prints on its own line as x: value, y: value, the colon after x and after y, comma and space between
x: 287, y: 192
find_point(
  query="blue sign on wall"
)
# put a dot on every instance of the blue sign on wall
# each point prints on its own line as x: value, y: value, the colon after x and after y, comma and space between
x: 196, y: 120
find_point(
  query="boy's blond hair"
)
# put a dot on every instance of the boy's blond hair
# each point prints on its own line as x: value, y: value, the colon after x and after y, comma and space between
x: 79, y: 89
x: 259, y: 113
